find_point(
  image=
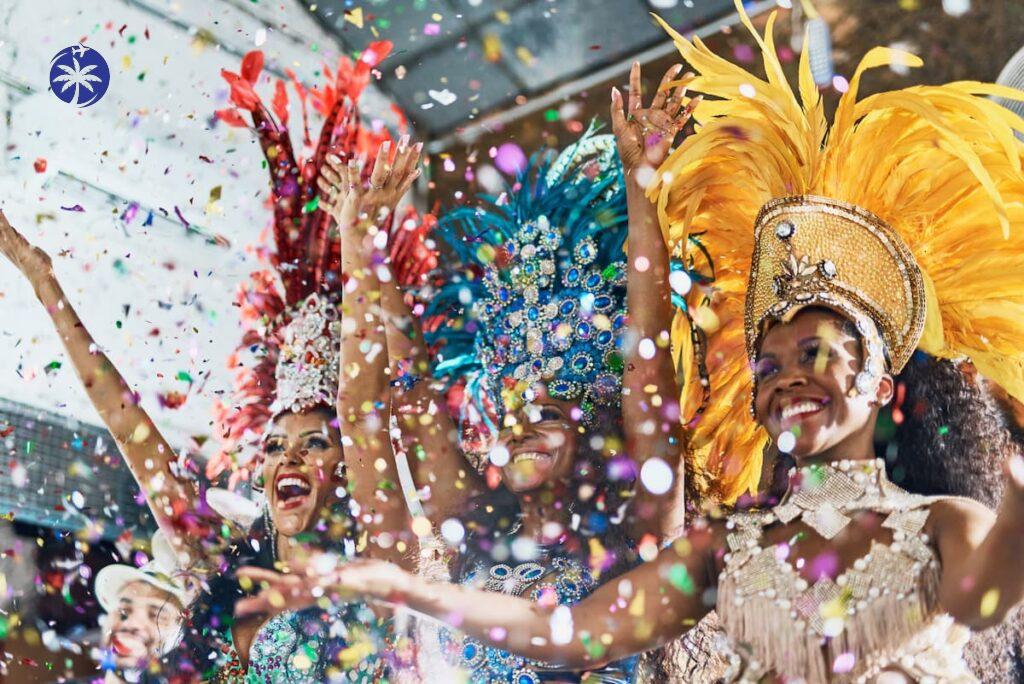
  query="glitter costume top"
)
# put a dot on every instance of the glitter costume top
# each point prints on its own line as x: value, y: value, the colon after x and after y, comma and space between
x: 552, y: 578
x: 879, y: 614
x: 313, y: 645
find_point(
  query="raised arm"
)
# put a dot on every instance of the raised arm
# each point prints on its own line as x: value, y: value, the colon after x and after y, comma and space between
x: 650, y: 393
x: 640, y: 610
x: 363, y: 401
x: 982, y: 554
x: 149, y: 457
x: 427, y: 433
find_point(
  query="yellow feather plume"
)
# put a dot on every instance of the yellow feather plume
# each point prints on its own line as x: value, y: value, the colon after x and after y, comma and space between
x: 940, y: 164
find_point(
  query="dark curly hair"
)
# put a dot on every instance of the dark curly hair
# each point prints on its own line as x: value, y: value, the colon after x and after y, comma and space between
x: 946, y: 435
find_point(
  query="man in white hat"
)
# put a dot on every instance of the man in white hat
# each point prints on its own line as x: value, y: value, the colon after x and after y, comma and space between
x: 144, y: 613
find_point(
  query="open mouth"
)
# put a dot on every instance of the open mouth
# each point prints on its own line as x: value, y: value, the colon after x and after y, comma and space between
x: 793, y: 411
x: 291, y: 489
x: 124, y: 644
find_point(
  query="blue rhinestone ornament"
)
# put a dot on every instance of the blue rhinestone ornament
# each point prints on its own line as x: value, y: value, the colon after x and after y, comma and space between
x: 546, y: 270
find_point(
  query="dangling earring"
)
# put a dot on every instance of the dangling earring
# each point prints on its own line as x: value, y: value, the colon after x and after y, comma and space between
x: 271, y: 531
x: 258, y: 482
x: 339, y: 471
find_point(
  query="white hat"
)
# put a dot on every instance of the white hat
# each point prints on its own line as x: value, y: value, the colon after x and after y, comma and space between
x: 158, y: 572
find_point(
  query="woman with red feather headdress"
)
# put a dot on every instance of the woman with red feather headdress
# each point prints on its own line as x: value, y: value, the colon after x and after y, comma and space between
x: 281, y: 422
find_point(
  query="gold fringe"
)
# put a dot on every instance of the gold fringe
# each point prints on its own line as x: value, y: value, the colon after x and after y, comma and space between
x: 771, y: 633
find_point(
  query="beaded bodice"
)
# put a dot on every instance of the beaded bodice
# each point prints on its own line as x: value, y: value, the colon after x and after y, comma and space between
x: 561, y: 579
x: 846, y: 628
x: 314, y: 645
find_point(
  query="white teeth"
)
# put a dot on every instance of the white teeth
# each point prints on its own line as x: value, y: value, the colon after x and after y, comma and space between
x: 293, y: 482
x: 529, y: 456
x: 799, y: 408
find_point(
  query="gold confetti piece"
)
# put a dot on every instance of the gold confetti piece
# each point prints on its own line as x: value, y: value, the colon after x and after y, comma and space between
x: 492, y: 47
x: 275, y: 598
x: 525, y: 56
x: 245, y: 583
x: 355, y: 17
x: 636, y: 606
x: 141, y: 433
x: 989, y: 602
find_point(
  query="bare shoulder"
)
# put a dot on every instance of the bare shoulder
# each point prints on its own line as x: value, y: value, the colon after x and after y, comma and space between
x: 959, y: 516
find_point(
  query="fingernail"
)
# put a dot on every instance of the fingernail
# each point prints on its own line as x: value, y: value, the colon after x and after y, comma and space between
x: 677, y: 68
x: 386, y: 146
x: 403, y: 141
x: 419, y: 147
x: 615, y: 92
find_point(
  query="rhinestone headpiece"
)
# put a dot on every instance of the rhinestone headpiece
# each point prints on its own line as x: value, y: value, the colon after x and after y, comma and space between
x: 307, y: 362
x: 540, y: 295
x: 554, y: 315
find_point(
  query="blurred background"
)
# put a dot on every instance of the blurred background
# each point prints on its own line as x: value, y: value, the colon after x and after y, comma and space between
x: 153, y: 209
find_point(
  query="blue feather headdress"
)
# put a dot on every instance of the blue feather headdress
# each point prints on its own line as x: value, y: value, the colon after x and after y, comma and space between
x: 538, y: 294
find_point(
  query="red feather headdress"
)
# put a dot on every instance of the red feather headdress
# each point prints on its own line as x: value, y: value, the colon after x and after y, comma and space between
x: 306, y: 260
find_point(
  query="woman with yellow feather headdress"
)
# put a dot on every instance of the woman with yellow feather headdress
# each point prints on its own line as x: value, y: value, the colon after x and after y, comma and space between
x: 838, y: 251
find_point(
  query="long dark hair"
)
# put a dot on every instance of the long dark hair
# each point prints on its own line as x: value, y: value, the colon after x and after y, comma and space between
x: 491, y: 517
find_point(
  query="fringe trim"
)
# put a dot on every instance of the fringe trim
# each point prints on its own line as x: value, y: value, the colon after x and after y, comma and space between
x: 771, y: 633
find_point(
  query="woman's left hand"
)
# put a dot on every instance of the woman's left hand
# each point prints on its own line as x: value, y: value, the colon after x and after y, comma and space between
x: 645, y: 135
x: 279, y: 591
x: 301, y: 588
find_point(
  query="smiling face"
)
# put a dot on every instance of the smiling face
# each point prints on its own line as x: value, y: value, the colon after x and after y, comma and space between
x: 805, y: 372
x: 542, y: 438
x: 145, y: 618
x: 300, y: 455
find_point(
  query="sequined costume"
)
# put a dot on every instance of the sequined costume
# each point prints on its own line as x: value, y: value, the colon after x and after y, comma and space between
x: 553, y: 578
x: 902, y: 216
x: 879, y: 613
x: 312, y: 645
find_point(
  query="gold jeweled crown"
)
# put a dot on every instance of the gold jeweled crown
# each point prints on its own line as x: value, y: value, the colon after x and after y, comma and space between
x: 815, y: 251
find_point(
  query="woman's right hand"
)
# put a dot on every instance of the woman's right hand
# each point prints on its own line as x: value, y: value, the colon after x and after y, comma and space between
x: 346, y: 197
x: 30, y: 260
x: 308, y: 581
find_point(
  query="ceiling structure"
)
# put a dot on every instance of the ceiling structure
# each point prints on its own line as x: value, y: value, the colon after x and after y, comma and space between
x: 459, y: 60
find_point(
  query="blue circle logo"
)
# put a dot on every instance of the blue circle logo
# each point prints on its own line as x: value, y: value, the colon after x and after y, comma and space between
x: 79, y: 75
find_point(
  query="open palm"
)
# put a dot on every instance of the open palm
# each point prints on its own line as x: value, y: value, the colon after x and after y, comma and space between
x: 644, y: 136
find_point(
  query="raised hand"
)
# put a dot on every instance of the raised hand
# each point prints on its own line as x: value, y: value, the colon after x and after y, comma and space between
x: 30, y: 260
x: 346, y: 197
x: 645, y: 135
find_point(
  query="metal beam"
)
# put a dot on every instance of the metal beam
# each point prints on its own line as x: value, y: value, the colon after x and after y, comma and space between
x: 475, y: 130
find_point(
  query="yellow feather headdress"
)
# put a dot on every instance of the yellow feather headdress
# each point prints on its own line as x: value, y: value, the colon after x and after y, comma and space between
x: 933, y: 174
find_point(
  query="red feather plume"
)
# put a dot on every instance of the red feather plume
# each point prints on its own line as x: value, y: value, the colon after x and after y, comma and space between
x: 305, y: 259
